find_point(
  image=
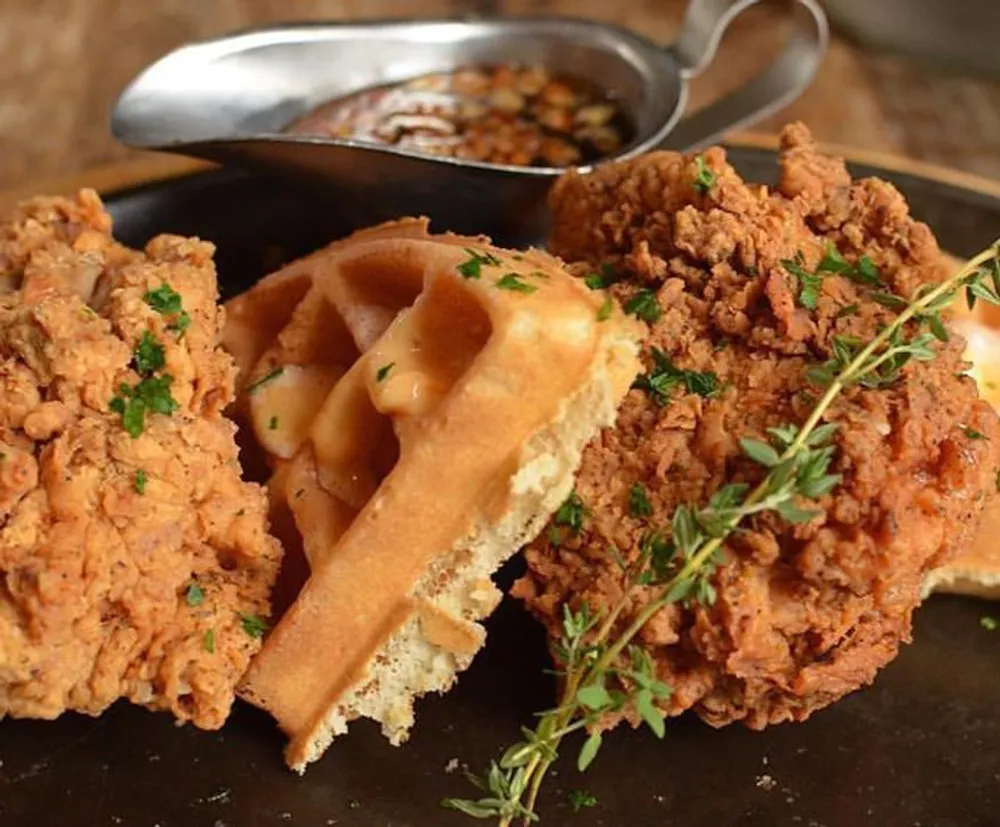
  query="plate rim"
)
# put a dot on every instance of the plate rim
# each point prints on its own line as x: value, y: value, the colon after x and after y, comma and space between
x: 157, y: 168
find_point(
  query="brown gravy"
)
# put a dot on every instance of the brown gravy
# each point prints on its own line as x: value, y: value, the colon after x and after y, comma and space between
x: 508, y: 114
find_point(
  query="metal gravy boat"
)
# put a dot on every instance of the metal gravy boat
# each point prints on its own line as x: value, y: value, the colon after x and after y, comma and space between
x: 229, y: 99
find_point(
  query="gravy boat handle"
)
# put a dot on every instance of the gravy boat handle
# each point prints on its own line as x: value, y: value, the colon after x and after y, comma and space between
x: 785, y: 77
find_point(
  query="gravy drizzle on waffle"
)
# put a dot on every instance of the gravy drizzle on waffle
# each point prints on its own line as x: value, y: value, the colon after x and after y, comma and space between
x: 422, y: 418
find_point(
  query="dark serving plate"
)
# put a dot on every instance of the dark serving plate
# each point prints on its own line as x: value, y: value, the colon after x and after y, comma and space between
x: 920, y: 748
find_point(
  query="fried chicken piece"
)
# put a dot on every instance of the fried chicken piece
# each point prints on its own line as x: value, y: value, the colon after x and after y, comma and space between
x: 130, y: 566
x: 804, y: 613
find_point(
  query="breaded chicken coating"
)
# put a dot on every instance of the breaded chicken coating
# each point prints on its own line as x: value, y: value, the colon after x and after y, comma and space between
x: 805, y: 613
x: 134, y: 561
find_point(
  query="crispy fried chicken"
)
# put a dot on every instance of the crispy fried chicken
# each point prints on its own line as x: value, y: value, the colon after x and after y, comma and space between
x: 804, y: 613
x: 133, y: 563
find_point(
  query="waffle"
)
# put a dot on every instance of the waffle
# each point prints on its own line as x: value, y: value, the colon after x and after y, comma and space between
x: 422, y: 402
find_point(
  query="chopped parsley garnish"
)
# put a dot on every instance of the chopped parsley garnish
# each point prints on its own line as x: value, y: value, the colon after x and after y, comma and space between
x: 164, y: 299
x: 972, y: 433
x: 208, y: 641
x: 253, y: 625
x: 512, y: 281
x: 472, y: 268
x: 383, y: 372
x: 149, y: 395
x: 990, y: 624
x: 638, y: 503
x: 659, y: 551
x: 181, y: 323
x: 810, y: 284
x: 268, y: 377
x: 604, y: 311
x: 579, y: 799
x: 139, y: 482
x: 864, y: 272
x: 847, y: 310
x: 833, y: 261
x: 571, y: 513
x: 664, y: 377
x: 705, y: 179
x: 272, y: 424
x: 194, y: 596
x: 148, y: 355
x: 602, y: 280
x: 167, y: 302
x: 644, y: 306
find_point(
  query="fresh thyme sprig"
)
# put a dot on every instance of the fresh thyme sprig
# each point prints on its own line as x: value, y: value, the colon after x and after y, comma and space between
x: 603, y: 671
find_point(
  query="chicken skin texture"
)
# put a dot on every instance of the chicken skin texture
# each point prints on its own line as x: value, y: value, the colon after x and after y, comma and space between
x: 805, y: 613
x: 131, y: 566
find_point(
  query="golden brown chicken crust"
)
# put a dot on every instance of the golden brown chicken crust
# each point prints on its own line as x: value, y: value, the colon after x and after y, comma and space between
x: 805, y: 613
x: 102, y: 534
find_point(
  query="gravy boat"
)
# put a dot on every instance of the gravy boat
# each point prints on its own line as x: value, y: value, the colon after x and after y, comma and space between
x: 229, y: 100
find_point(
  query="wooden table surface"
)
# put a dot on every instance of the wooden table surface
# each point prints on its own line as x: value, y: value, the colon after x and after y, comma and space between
x: 62, y: 63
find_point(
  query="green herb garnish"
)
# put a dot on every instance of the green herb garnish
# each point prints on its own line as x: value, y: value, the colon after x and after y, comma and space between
x: 810, y: 284
x: 513, y: 281
x: 705, y: 179
x: 472, y: 268
x: 149, y: 395
x: 167, y: 302
x: 638, y: 503
x: 602, y: 280
x: 253, y: 625
x: 664, y: 377
x: 208, y: 641
x: 880, y: 370
x: 847, y: 310
x: 972, y: 433
x: 253, y: 387
x: 164, y: 299
x: 645, y: 306
x: 272, y: 424
x: 864, y: 272
x: 194, y: 596
x: 181, y: 323
x: 571, y: 513
x: 139, y: 482
x: 890, y: 300
x: 149, y: 355
x: 990, y: 624
x: 604, y: 311
x: 383, y: 372
x: 580, y: 799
